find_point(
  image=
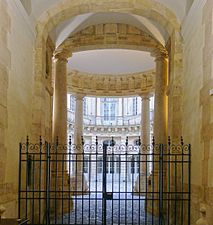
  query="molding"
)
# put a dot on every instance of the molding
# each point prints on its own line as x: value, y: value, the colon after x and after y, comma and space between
x: 16, y: 6
x: 188, y: 25
x: 110, y: 35
x: 134, y: 84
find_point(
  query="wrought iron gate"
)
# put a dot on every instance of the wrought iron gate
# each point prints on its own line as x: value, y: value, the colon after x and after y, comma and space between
x: 105, y: 184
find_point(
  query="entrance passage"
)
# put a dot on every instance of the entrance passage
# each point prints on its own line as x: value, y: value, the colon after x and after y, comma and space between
x: 104, y: 183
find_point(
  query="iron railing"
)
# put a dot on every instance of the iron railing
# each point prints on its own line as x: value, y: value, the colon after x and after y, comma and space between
x: 100, y: 184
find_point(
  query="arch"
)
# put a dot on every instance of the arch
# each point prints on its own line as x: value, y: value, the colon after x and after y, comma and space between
x: 149, y: 9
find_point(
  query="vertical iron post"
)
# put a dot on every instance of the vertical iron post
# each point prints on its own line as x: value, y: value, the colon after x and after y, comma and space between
x: 104, y: 182
x: 189, y: 181
x: 161, y: 185
x: 19, y: 183
x: 47, y: 183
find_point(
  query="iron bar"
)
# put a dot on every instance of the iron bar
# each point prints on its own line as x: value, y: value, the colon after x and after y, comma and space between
x: 19, y: 180
x: 111, y: 172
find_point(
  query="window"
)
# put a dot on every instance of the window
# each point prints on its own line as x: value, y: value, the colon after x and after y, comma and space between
x: 110, y: 165
x: 72, y: 103
x: 135, y: 106
x: 135, y: 164
x: 86, y: 164
x: 118, y: 164
x: 132, y: 164
x: 99, y: 164
x: 109, y: 107
x: 85, y: 107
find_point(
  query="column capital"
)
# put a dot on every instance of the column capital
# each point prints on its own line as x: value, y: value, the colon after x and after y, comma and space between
x: 159, y: 54
x: 146, y: 96
x: 79, y: 96
x: 62, y: 54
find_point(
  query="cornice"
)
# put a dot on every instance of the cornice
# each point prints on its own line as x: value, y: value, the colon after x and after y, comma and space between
x: 111, y: 85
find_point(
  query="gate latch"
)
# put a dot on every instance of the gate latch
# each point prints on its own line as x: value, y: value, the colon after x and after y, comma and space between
x: 108, y: 195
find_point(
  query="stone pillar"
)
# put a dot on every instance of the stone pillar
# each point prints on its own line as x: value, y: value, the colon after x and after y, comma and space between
x: 160, y: 103
x: 60, y: 98
x: 79, y: 119
x: 145, y: 119
x: 79, y: 182
x: 160, y: 121
x: 60, y: 176
x: 140, y: 184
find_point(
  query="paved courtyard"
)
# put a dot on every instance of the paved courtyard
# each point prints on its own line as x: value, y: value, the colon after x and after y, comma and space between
x: 125, y: 208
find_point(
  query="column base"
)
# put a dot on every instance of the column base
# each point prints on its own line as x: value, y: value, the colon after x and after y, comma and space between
x: 63, y: 203
x: 79, y: 184
x: 140, y: 185
x: 152, y: 205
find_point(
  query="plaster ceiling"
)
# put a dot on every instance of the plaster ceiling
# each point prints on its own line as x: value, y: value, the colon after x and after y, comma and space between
x: 78, y: 23
x: 72, y: 25
x: 177, y: 6
x: 111, y: 61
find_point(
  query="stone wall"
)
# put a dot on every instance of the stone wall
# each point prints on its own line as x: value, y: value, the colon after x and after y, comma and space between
x: 197, y: 103
x: 17, y: 43
x: 6, y: 188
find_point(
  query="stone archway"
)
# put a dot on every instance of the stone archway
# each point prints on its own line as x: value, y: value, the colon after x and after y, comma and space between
x: 66, y: 9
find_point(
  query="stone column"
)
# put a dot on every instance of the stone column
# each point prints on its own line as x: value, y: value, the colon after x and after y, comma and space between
x: 160, y: 120
x: 79, y: 182
x: 160, y: 103
x: 79, y: 119
x: 140, y: 184
x: 60, y: 98
x: 60, y: 176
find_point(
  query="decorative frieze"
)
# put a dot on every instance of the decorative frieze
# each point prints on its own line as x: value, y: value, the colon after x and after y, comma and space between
x: 110, y: 35
x: 111, y: 85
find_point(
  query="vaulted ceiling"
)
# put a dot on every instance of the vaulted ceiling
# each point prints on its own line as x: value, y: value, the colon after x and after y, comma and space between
x: 75, y: 24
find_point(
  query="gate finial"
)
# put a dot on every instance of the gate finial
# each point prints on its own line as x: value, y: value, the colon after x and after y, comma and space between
x: 40, y: 140
x: 82, y: 140
x: 127, y: 140
x: 153, y: 140
x: 182, y: 143
x: 70, y: 140
x: 169, y: 140
x: 139, y: 141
